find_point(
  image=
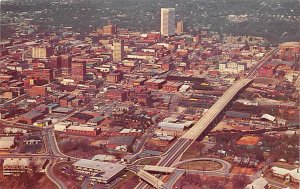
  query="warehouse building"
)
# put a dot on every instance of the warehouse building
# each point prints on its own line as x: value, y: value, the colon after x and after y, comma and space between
x: 31, y: 117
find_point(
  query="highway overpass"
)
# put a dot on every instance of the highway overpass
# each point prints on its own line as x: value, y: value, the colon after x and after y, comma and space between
x: 182, y: 144
x: 151, y: 179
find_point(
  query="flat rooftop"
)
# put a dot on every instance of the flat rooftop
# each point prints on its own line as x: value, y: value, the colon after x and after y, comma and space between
x: 107, y: 170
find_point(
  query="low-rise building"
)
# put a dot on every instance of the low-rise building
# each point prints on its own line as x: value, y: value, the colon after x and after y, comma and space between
x: 7, y: 142
x: 120, y: 143
x: 114, y: 77
x: 266, y: 71
x: 62, y: 126
x: 174, y: 129
x: 101, y: 172
x: 83, y: 130
x: 232, y: 67
x: 237, y: 115
x: 259, y: 183
x: 96, y: 120
x: 155, y: 84
x: 31, y: 117
x: 286, y: 174
x: 162, y: 140
x: 15, y: 166
x: 131, y: 132
x: 172, y: 86
x: 118, y: 94
x: 81, y: 118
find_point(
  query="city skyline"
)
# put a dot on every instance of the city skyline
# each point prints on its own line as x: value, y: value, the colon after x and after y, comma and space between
x: 149, y: 94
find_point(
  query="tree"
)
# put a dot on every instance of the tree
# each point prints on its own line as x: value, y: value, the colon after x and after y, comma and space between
x: 240, y: 181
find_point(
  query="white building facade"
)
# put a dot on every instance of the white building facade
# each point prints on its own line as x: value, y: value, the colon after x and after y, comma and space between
x: 167, y: 21
x: 232, y: 67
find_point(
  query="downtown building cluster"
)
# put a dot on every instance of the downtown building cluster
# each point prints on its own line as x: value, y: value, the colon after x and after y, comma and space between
x: 113, y: 84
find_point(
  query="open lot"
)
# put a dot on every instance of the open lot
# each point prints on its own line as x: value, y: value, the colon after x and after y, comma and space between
x: 193, y: 151
x: 201, y: 165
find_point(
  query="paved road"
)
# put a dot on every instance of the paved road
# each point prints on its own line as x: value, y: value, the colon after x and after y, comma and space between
x: 50, y: 174
x: 225, y: 165
x: 12, y: 155
x: 182, y: 144
x: 174, y: 153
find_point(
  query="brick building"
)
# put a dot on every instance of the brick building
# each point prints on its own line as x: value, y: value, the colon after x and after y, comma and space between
x: 155, y: 84
x: 79, y: 71
x: 289, y: 50
x: 31, y: 117
x: 109, y: 29
x: 172, y: 86
x: 118, y: 94
x: 37, y: 91
x: 42, y: 52
x: 66, y: 101
x: 54, y: 62
x: 43, y: 74
x: 83, y: 130
x: 65, y: 64
x: 266, y: 71
x: 80, y: 118
x: 114, y: 77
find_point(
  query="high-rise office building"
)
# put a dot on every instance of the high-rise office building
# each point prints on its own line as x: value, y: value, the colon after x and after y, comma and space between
x: 179, y: 27
x: 79, y: 71
x: 109, y: 29
x: 65, y: 64
x: 54, y: 62
x: 41, y: 52
x: 167, y: 21
x: 118, y: 50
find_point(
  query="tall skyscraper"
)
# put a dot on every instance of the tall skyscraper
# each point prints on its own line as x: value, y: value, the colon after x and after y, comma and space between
x: 167, y: 21
x: 179, y: 27
x: 118, y: 50
x: 79, y: 71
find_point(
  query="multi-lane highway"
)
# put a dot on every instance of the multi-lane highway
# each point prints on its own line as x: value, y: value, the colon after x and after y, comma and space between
x: 182, y: 144
x: 175, y: 151
x: 253, y: 72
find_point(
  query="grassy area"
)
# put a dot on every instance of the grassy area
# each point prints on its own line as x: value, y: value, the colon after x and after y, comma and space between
x: 209, y: 182
x: 193, y: 151
x: 14, y: 182
x: 243, y: 170
x: 149, y: 161
x: 201, y: 165
x: 130, y: 180
x: 69, y: 180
